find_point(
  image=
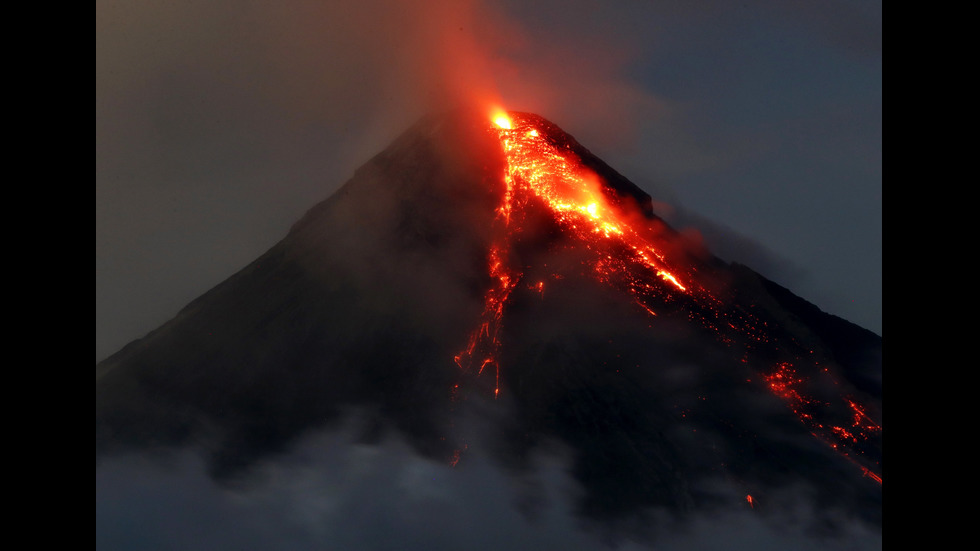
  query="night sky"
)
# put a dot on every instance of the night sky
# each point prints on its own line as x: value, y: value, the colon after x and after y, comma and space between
x: 218, y: 124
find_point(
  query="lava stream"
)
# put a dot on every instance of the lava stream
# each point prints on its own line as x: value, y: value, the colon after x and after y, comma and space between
x: 537, y: 170
x: 629, y: 257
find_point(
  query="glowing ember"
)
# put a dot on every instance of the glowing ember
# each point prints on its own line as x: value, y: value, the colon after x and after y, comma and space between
x: 456, y: 456
x: 749, y: 499
x: 633, y: 257
x: 786, y: 384
x: 502, y: 121
x: 486, y: 340
x: 873, y: 476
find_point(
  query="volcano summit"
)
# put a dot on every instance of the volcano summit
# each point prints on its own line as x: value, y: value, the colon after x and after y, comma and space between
x: 491, y: 272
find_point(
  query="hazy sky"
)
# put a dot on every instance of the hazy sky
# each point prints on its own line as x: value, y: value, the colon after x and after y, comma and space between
x: 219, y: 123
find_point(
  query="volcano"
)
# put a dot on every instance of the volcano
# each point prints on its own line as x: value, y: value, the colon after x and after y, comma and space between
x: 491, y: 268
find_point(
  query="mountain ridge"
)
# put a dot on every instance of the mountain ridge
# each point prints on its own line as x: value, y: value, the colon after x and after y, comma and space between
x: 364, y: 301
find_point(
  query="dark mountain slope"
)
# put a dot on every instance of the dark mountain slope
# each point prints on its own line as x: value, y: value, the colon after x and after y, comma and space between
x: 365, y: 303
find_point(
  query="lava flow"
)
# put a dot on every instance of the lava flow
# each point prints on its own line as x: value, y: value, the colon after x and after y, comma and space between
x: 536, y: 169
x: 636, y: 258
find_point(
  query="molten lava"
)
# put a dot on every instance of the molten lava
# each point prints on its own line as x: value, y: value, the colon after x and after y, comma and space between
x: 628, y: 253
x: 537, y: 171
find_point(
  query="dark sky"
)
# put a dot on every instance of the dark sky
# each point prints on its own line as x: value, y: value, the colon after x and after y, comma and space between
x: 219, y: 123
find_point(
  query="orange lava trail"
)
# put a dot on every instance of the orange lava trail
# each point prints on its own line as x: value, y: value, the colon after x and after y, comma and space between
x: 629, y: 256
x: 785, y: 383
x: 873, y: 476
x: 538, y: 171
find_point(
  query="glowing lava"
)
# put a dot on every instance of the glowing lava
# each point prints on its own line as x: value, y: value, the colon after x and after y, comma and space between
x: 538, y: 172
x: 786, y: 384
x: 629, y: 253
x: 502, y: 121
x: 487, y: 338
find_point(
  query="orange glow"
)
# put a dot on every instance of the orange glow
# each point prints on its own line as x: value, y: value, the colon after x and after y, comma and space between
x: 536, y: 168
x: 456, y: 456
x: 871, y: 475
x: 502, y: 121
x: 625, y: 251
x: 485, y: 341
x: 786, y: 384
x: 749, y: 499
x: 538, y: 172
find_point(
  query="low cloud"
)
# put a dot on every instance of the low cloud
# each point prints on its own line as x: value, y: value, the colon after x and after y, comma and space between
x: 331, y: 492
